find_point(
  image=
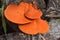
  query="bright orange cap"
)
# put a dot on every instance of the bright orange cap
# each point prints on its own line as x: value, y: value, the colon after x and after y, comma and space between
x: 36, y: 26
x: 33, y: 13
x: 15, y: 13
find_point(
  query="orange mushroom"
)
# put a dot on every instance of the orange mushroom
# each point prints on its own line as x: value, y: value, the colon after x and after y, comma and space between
x: 15, y: 13
x: 22, y: 15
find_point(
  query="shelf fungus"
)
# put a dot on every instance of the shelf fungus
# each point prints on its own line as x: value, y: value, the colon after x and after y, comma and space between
x: 27, y: 17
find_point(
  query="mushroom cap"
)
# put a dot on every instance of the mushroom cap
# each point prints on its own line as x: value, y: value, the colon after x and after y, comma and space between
x: 33, y: 13
x: 36, y: 26
x: 15, y: 13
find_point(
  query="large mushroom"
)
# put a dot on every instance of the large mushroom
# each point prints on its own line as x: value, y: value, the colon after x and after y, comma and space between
x: 27, y: 17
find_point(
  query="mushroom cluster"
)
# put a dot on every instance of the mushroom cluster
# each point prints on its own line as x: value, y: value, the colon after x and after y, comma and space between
x: 28, y: 18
